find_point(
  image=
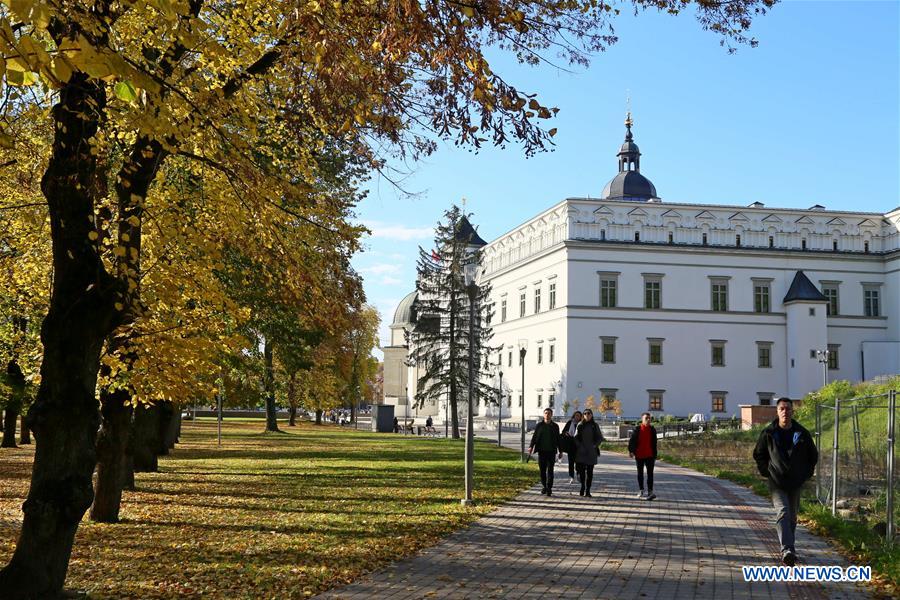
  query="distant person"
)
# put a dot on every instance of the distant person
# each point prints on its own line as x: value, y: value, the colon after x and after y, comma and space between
x: 588, y: 438
x: 396, y: 425
x: 786, y: 455
x: 429, y: 425
x: 642, y: 448
x: 546, y: 439
x: 568, y: 441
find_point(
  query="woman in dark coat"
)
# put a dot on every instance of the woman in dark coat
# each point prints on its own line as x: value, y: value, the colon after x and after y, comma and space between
x: 568, y: 441
x: 587, y: 441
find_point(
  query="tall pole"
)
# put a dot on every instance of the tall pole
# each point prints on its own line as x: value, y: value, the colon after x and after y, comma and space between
x: 834, y: 456
x: 892, y: 407
x: 219, y: 416
x: 500, y: 408
x: 472, y: 289
x: 522, y: 352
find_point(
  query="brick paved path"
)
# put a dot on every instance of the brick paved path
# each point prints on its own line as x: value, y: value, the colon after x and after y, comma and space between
x: 688, y: 543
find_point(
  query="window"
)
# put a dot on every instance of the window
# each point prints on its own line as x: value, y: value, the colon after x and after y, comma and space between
x: 765, y: 398
x: 521, y: 399
x: 866, y: 247
x: 551, y: 353
x: 503, y: 311
x: 834, y: 246
x: 833, y: 362
x: 608, y: 354
x: 871, y: 302
x: 509, y: 362
x: 771, y: 241
x: 718, y: 401
x: 522, y: 304
x: 540, y: 354
x: 812, y: 311
x: 671, y: 238
x: 719, y: 290
x: 551, y: 400
x: 602, y: 235
x: 552, y: 296
x: 537, y: 300
x: 539, y: 400
x: 705, y: 239
x: 764, y: 355
x: 608, y: 293
x: 761, y: 297
x: 521, y: 359
x: 830, y: 291
x: 737, y: 240
x: 718, y: 353
x: 637, y: 236
x: 655, y: 351
x: 656, y: 399
x: 652, y: 293
x: 803, y: 244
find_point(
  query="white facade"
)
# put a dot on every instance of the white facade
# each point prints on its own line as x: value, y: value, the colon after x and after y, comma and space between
x: 684, y: 308
x: 685, y: 249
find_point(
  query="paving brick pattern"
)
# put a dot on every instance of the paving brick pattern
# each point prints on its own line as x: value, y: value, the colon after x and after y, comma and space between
x: 688, y: 543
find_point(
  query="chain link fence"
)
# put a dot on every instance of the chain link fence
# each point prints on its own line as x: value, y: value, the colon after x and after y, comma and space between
x: 857, y: 472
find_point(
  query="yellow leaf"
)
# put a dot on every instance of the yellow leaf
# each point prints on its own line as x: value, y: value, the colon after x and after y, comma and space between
x: 93, y: 235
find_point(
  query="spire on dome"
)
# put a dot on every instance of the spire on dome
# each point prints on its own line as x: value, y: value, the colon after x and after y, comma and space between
x: 629, y: 184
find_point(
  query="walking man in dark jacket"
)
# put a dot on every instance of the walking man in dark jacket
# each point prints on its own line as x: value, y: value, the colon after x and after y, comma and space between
x: 786, y: 455
x: 546, y: 439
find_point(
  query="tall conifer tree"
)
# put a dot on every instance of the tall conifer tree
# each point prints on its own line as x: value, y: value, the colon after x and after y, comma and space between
x: 439, y: 342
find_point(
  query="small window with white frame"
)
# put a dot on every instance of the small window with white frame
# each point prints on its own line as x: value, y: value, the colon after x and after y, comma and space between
x: 718, y: 294
x: 717, y: 352
x: 608, y: 350
x: 552, y: 299
x: 655, y: 399
x: 655, y: 348
x: 764, y: 355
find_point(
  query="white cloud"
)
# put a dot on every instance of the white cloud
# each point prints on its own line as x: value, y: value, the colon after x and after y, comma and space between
x: 400, y: 233
x: 380, y: 269
x: 391, y: 281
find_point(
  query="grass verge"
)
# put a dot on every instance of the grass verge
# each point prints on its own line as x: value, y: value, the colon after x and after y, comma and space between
x: 274, y: 516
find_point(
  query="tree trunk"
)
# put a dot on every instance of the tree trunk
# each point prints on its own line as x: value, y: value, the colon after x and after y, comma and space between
x: 167, y: 426
x: 318, y: 417
x: 10, y: 415
x: 292, y: 399
x: 24, y: 432
x: 65, y: 415
x: 271, y: 410
x: 146, y: 439
x: 112, y: 440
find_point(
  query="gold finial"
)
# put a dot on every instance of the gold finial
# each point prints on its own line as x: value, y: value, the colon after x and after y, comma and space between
x: 464, y: 204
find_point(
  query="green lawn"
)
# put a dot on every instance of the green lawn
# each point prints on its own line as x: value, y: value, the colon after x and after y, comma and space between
x: 272, y: 515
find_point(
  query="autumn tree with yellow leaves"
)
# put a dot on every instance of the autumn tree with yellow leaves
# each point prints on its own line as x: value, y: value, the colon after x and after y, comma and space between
x: 244, y: 98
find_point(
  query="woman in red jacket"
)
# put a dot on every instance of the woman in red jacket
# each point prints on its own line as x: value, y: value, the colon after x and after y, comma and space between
x: 642, y: 447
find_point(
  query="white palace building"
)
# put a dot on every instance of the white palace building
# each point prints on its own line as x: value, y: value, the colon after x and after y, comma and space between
x: 680, y: 308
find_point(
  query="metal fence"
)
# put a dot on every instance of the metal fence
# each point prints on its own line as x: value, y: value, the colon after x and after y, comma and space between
x: 855, y: 475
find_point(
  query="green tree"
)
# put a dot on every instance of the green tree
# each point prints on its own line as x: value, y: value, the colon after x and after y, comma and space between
x: 439, y: 343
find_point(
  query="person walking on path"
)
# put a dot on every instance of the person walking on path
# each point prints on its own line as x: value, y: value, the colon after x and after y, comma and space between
x: 546, y: 439
x: 786, y: 455
x: 568, y: 441
x: 588, y: 438
x: 642, y: 448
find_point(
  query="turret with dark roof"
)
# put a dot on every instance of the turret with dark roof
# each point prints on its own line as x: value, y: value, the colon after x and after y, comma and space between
x: 466, y: 233
x: 803, y: 290
x: 629, y: 184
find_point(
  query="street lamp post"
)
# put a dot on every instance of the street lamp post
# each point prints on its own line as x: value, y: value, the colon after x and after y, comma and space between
x: 471, y: 273
x: 500, y: 402
x: 523, y: 350
x: 822, y: 356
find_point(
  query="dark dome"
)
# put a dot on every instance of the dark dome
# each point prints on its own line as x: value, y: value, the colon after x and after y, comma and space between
x: 629, y: 148
x: 629, y: 185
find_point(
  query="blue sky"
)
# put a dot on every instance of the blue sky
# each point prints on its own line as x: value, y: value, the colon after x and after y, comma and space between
x: 811, y: 116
